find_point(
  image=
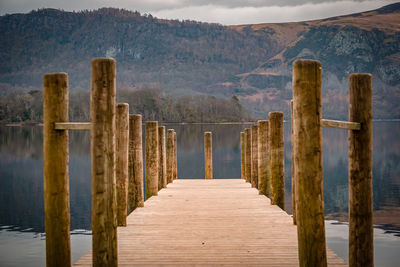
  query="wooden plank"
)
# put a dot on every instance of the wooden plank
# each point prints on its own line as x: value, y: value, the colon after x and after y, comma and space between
x: 72, y: 125
x: 340, y: 124
x: 208, y: 222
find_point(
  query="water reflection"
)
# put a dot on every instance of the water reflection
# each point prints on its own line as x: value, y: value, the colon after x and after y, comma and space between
x: 21, y: 174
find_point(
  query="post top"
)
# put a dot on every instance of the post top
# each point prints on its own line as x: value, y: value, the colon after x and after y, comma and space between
x: 103, y: 59
x: 306, y: 63
x: 275, y: 115
x: 254, y: 127
x: 171, y: 130
x: 262, y: 122
x: 207, y: 133
x: 122, y: 105
x: 151, y: 123
x: 161, y: 127
x: 55, y: 74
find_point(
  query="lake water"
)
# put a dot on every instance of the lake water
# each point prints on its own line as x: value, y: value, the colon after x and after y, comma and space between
x: 22, y: 241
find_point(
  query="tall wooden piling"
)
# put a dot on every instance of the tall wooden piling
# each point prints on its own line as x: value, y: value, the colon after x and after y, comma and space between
x: 208, y: 155
x: 308, y: 162
x: 242, y: 155
x: 277, y: 159
x: 151, y: 171
x: 175, y: 157
x: 293, y: 171
x: 135, y: 181
x: 102, y: 134
x: 55, y: 170
x: 170, y: 156
x: 254, y: 156
x: 121, y: 171
x: 162, y: 163
x: 248, y: 155
x: 361, y: 249
x: 263, y: 158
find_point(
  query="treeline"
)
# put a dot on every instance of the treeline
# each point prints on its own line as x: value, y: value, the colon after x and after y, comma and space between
x: 153, y: 104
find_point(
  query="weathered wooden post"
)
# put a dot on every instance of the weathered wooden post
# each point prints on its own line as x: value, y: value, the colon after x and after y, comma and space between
x: 277, y: 159
x: 175, y: 157
x: 242, y: 155
x: 102, y: 146
x: 263, y: 158
x: 248, y: 155
x: 293, y: 171
x: 170, y: 156
x: 55, y: 170
x: 135, y: 181
x: 151, y: 159
x: 254, y: 156
x: 208, y: 155
x: 308, y: 162
x: 361, y: 249
x: 121, y: 172
x: 162, y: 163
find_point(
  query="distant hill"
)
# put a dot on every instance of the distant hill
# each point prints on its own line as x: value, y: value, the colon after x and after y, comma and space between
x: 252, y: 62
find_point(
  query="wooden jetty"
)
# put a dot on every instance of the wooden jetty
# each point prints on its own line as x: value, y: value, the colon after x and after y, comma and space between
x: 205, y: 222
x: 208, y: 222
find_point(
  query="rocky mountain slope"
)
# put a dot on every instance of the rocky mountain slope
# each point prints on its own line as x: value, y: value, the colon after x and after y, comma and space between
x: 252, y: 62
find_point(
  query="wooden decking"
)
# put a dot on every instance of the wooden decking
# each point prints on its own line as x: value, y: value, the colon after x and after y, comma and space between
x: 209, y: 222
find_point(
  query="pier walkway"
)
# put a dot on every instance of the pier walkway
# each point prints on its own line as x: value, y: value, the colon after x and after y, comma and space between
x: 208, y: 222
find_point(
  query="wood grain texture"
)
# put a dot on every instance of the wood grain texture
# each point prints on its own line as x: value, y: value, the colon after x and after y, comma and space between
x: 102, y: 148
x: 55, y: 170
x: 209, y: 223
x: 170, y: 156
x: 151, y: 152
x: 277, y: 159
x: 340, y: 124
x: 307, y: 139
x: 248, y: 154
x: 263, y: 158
x: 361, y: 243
x: 254, y: 156
x: 122, y: 155
x: 135, y: 181
x: 72, y: 125
x: 293, y: 171
x: 162, y: 162
x: 208, y: 168
x: 175, y: 156
x: 242, y: 156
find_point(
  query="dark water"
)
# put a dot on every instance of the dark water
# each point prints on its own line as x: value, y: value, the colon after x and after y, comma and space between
x: 21, y: 185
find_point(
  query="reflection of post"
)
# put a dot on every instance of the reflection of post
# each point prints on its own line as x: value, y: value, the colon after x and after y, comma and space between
x: 208, y: 155
x: 361, y: 250
x: 254, y: 156
x: 242, y: 155
x: 248, y: 155
x: 102, y: 133
x: 55, y: 170
x: 121, y: 168
x: 293, y: 171
x: 170, y: 156
x: 277, y: 159
x: 175, y: 157
x: 135, y: 186
x: 151, y: 159
x: 263, y: 158
x: 308, y: 162
x: 162, y: 164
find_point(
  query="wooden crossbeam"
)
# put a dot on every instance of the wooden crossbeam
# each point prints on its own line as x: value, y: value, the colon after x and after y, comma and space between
x: 341, y: 124
x: 72, y: 125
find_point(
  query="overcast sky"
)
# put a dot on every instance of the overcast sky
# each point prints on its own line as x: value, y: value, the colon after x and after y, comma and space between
x: 221, y: 11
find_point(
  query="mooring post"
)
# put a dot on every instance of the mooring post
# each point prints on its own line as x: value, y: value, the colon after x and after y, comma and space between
x: 175, y: 157
x: 308, y: 162
x: 248, y: 155
x: 121, y: 171
x: 254, y: 156
x: 293, y: 171
x: 263, y: 158
x: 242, y: 155
x: 135, y: 181
x: 55, y: 170
x: 277, y: 159
x: 208, y: 155
x: 170, y: 156
x: 162, y: 163
x: 102, y: 136
x: 151, y: 159
x: 361, y: 249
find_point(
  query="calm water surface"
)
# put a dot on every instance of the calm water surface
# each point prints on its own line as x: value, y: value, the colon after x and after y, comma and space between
x: 21, y: 191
